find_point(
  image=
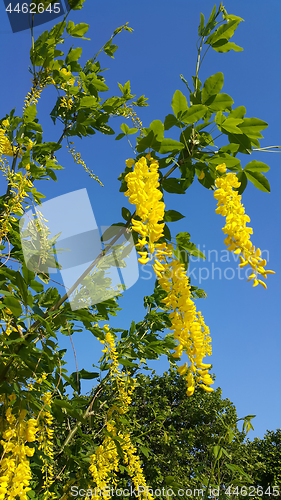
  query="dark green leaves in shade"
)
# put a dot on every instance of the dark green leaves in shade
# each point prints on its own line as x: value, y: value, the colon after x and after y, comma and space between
x: 172, y: 216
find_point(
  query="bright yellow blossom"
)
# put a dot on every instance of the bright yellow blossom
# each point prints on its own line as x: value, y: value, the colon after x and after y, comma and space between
x: 143, y: 192
x: 238, y: 234
x: 15, y: 473
x: 187, y: 324
x: 104, y: 463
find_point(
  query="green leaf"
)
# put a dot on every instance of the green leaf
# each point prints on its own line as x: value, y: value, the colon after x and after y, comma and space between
x: 46, y: 148
x: 14, y: 305
x: 169, y: 145
x: 212, y: 86
x: 30, y: 113
x: 239, y: 112
x: 111, y: 231
x: 173, y: 185
x: 38, y: 311
x: 127, y: 362
x: 22, y: 287
x: 126, y: 214
x: 241, y: 176
x: 256, y: 166
x: 231, y: 162
x: 157, y: 128
x: 229, y: 124
x: 36, y: 286
x: 99, y: 84
x: 76, y: 4
x: 243, y: 141
x: 79, y: 30
x: 225, y: 32
x: 170, y: 121
x: 224, y: 46
x: 88, y: 102
x: 179, y: 104
x: 73, y: 55
x: 225, y: 453
x: 252, y: 126
x: 172, y: 216
x: 194, y: 113
x: 259, y: 180
x: 201, y: 25
x: 145, y: 451
x: 220, y: 102
x: 70, y: 27
x: 127, y: 130
x: 236, y: 468
x: 85, y: 374
x: 109, y: 49
x: 217, y: 451
x: 183, y: 239
x: 119, y: 136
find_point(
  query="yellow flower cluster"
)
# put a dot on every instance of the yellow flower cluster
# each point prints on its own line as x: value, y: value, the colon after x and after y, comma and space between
x: 46, y: 446
x: 133, y: 463
x: 21, y: 185
x: 66, y: 102
x: 124, y: 390
x: 71, y: 80
x: 5, y: 146
x: 15, y: 473
x: 128, y: 112
x: 143, y: 192
x: 105, y: 461
x: 38, y: 84
x: 77, y: 158
x: 187, y: 323
x: 238, y: 234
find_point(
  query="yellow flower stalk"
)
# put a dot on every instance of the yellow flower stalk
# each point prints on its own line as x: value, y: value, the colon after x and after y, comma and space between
x: 188, y: 325
x: 20, y: 186
x: 15, y: 473
x: 45, y: 439
x: 143, y: 192
x: 105, y: 461
x: 238, y: 234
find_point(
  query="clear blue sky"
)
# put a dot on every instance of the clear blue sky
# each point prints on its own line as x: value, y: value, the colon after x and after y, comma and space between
x: 244, y: 321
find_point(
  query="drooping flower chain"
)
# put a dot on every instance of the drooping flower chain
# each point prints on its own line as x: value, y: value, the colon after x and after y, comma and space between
x: 45, y: 439
x: 188, y: 324
x: 15, y: 473
x: 238, y: 235
x: 143, y: 192
x: 105, y: 461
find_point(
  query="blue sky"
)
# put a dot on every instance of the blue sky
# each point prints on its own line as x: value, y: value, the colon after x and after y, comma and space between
x: 244, y: 321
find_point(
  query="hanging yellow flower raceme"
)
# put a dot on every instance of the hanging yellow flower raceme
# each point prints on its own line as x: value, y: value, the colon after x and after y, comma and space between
x: 104, y: 463
x: 15, y: 473
x: 143, y: 192
x: 187, y: 324
x: 45, y: 439
x: 238, y: 234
